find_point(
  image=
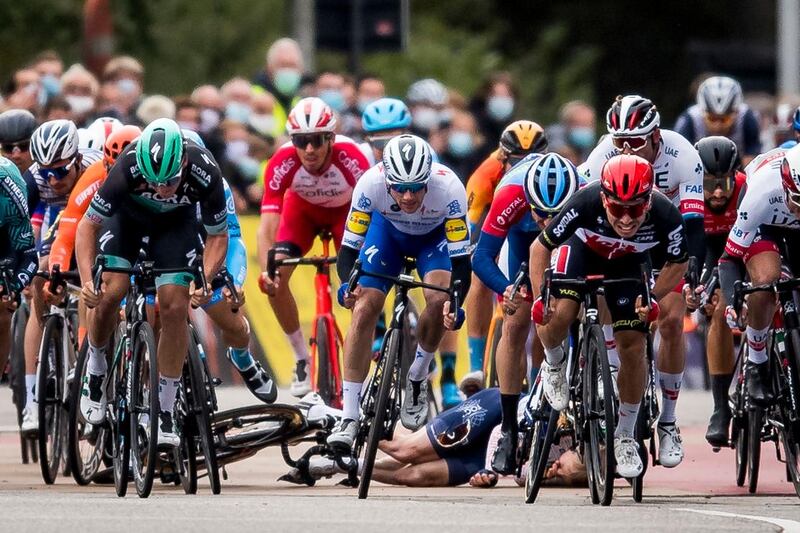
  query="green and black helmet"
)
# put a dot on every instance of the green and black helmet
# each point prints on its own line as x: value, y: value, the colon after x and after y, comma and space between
x: 159, y: 152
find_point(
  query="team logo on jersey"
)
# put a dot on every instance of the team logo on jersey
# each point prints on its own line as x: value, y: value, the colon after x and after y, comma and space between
x: 358, y: 222
x: 456, y: 230
x: 453, y: 208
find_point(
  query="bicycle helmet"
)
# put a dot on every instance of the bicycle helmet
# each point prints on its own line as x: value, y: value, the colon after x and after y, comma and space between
x: 427, y: 91
x: 16, y: 125
x: 385, y: 114
x: 407, y: 159
x: 191, y: 135
x: 795, y: 120
x: 117, y: 141
x: 159, y: 152
x: 99, y: 130
x: 627, y: 178
x: 549, y: 182
x: 310, y: 115
x: 632, y: 116
x: 53, y: 141
x: 718, y: 154
x: 790, y: 169
x: 523, y: 137
x: 719, y: 95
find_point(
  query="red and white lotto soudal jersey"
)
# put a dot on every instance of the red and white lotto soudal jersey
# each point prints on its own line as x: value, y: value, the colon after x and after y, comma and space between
x: 333, y: 187
x: 677, y: 170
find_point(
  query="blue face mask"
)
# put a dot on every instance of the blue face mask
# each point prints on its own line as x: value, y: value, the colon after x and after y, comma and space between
x: 581, y: 137
x: 286, y: 80
x: 237, y: 111
x: 333, y: 98
x: 459, y: 143
x: 127, y: 86
x: 51, y: 85
x: 500, y: 107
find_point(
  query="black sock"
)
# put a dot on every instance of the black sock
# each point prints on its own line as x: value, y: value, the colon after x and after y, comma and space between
x: 509, y: 404
x: 719, y: 389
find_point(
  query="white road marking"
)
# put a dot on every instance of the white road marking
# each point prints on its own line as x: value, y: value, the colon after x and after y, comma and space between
x: 789, y: 526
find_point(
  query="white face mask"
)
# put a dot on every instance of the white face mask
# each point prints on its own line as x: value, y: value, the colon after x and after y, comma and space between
x: 263, y: 124
x: 425, y: 118
x: 80, y: 104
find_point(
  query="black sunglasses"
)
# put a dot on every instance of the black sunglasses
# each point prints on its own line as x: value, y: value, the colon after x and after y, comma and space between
x: 8, y: 148
x: 314, y: 139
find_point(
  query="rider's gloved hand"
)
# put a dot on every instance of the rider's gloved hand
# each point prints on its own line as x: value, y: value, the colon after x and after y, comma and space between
x: 341, y: 292
x: 732, y: 318
x: 537, y: 311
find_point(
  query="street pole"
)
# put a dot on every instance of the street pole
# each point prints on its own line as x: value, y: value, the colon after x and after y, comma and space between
x: 788, y: 47
x: 304, y: 30
x: 356, y: 37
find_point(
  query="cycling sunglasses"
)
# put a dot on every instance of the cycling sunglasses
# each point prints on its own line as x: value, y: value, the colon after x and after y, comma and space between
x: 314, y: 139
x: 9, y: 148
x: 542, y: 215
x: 618, y: 210
x: 720, y: 120
x: 57, y: 173
x: 711, y: 183
x: 402, y: 188
x: 379, y: 142
x: 632, y: 143
x: 174, y: 180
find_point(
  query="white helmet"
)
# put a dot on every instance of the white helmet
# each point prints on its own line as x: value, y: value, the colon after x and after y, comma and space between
x: 99, y: 130
x: 790, y: 169
x: 632, y: 116
x: 427, y: 91
x: 310, y: 115
x: 407, y: 159
x: 719, y: 95
x: 53, y: 141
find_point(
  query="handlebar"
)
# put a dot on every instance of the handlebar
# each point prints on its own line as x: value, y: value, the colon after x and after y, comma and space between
x: 57, y: 279
x: 227, y: 280
x: 403, y: 280
x: 692, y: 276
x: 273, y: 264
x: 7, y: 279
x: 146, y: 269
x: 743, y: 288
x: 522, y: 275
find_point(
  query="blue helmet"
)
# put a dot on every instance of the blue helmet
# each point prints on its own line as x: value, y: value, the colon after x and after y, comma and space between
x: 193, y: 136
x: 385, y: 114
x: 549, y: 182
x: 796, y: 120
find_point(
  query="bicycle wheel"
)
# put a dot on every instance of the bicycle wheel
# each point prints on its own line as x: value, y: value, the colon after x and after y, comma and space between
x: 120, y: 425
x: 600, y: 416
x: 199, y: 398
x: 543, y: 431
x: 16, y: 377
x: 50, y: 393
x: 490, y: 357
x: 324, y: 378
x: 644, y: 431
x: 86, y: 441
x: 755, y: 425
x: 384, y: 379
x: 144, y: 409
x: 185, y: 455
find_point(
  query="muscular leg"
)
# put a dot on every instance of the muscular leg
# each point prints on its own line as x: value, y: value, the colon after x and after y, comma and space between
x: 479, y: 307
x: 511, y: 350
x: 285, y: 308
x: 174, y: 308
x: 671, y: 353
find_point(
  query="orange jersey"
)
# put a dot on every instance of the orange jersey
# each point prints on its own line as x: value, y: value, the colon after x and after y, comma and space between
x: 481, y: 186
x: 79, y: 200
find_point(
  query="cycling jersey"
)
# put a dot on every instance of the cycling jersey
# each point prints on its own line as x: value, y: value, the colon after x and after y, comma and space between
x: 763, y: 160
x: 481, y: 186
x: 719, y: 224
x: 745, y: 131
x: 16, y: 242
x: 39, y: 189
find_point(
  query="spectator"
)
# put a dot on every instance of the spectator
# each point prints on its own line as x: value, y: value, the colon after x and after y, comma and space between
x: 123, y: 77
x: 153, y: 107
x: 187, y: 114
x: 237, y: 96
x: 465, y: 149
x: 50, y: 67
x: 329, y: 86
x: 427, y: 100
x: 493, y: 105
x: 79, y: 88
x: 25, y: 92
x: 209, y: 100
x: 574, y: 135
x: 56, y: 108
x: 368, y: 89
x: 262, y: 119
x: 281, y: 78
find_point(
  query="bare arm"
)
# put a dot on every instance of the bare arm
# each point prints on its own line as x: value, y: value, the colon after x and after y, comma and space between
x: 214, y: 255
x: 267, y: 231
x: 668, y: 278
x: 539, y: 261
x: 86, y: 247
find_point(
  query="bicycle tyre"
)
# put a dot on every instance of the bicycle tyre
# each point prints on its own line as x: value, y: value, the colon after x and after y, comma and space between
x: 16, y: 377
x: 643, y: 432
x: 490, y: 357
x: 144, y: 441
x: 602, y: 462
x: 185, y: 456
x: 83, y: 467
x: 755, y: 425
x: 386, y: 366
x: 51, y: 398
x: 120, y: 425
x: 201, y: 406
x: 324, y: 378
x: 740, y: 433
x: 543, y: 432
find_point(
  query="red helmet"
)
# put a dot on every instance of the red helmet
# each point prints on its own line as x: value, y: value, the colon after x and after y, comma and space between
x: 117, y: 141
x: 627, y: 178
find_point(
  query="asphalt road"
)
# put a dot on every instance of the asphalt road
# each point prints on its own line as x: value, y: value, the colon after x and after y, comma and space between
x: 699, y: 495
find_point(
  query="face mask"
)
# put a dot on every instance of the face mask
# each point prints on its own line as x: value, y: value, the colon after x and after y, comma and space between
x: 127, y: 86
x: 459, y: 143
x: 209, y: 119
x: 237, y: 111
x: 80, y: 105
x: 333, y: 98
x: 51, y: 85
x: 363, y: 103
x: 500, y: 107
x: 425, y: 118
x: 581, y: 137
x: 263, y: 124
x: 286, y: 80
x: 236, y: 150
x: 249, y: 167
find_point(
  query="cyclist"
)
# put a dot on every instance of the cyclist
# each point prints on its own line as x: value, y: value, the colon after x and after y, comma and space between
x: 307, y: 188
x: 518, y: 139
x: 609, y: 228
x: 383, y: 119
x: 153, y: 191
x: 633, y: 125
x: 406, y: 206
x: 58, y: 163
x: 763, y: 237
x: 18, y: 246
x: 16, y: 128
x: 720, y: 111
x: 529, y: 195
x: 722, y: 185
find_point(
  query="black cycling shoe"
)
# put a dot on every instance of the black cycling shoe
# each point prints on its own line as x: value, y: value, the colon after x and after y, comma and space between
x: 758, y: 384
x: 718, y: 427
x: 504, y: 461
x: 260, y: 383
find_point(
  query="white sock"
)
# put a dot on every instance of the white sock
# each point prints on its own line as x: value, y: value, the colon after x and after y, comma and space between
x: 611, y: 345
x: 421, y: 365
x: 554, y: 356
x: 351, y: 393
x: 167, y: 392
x: 628, y: 413
x: 670, y: 387
x: 97, y: 364
x: 757, y: 344
x: 30, y: 383
x: 299, y: 345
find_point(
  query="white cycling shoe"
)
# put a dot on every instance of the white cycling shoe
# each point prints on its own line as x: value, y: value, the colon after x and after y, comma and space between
x: 30, y: 419
x: 301, y: 379
x: 670, y: 445
x: 554, y: 384
x: 626, y: 452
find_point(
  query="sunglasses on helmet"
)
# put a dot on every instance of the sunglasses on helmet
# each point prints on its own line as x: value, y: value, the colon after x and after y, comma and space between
x: 402, y: 188
x: 712, y: 183
x: 10, y: 148
x: 57, y: 173
x: 314, y: 139
x: 618, y: 210
x: 632, y: 143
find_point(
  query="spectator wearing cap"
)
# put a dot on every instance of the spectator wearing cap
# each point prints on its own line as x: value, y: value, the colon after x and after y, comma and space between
x: 493, y: 105
x: 281, y: 77
x: 79, y: 88
x: 123, y: 79
x: 574, y: 135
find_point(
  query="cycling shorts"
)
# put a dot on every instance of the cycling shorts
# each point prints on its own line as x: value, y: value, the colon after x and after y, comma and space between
x: 385, y: 247
x: 460, y: 435
x: 301, y: 222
